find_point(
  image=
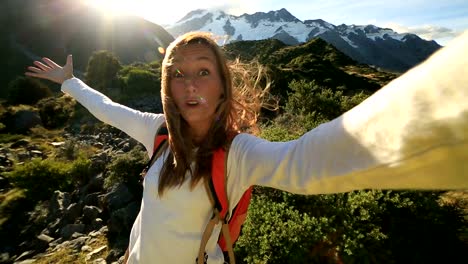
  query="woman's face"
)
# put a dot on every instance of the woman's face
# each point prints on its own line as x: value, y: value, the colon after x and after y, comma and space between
x: 196, y: 85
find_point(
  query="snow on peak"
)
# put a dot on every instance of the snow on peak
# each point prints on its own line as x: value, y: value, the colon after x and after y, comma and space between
x: 261, y: 25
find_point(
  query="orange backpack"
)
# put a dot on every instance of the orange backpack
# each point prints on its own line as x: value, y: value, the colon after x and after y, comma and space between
x: 216, y: 188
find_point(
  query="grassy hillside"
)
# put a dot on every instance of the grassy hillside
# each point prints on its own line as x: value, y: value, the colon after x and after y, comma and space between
x: 315, y: 60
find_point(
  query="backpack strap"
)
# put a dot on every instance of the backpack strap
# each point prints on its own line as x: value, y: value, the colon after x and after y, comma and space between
x: 216, y: 189
x: 160, y: 142
x: 218, y: 178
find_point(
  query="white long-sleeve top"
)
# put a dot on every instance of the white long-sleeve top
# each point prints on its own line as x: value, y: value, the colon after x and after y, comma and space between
x: 412, y: 134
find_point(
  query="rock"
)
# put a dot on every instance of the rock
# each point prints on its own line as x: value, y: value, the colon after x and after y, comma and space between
x: 98, y: 145
x: 25, y: 120
x: 26, y: 261
x: 5, y: 160
x: 121, y: 220
x: 118, y: 197
x: 55, y: 243
x: 102, y: 200
x: 58, y: 203
x: 23, y: 156
x: 46, y: 238
x: 124, y: 145
x: 86, y: 248
x: 95, y: 252
x: 57, y: 144
x: 72, y: 212
x: 20, y: 144
x: 95, y: 183
x: 94, y: 234
x: 67, y: 231
x: 54, y: 226
x: 114, y: 255
x: 99, y: 261
x: 91, y: 199
x: 104, y: 230
x: 25, y: 255
x: 78, y: 243
x: 77, y: 235
x: 97, y: 224
x: 4, y: 257
x: 90, y: 213
x: 36, y: 153
x: 39, y: 243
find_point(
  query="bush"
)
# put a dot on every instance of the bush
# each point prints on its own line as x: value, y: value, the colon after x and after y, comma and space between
x: 349, y: 102
x: 69, y: 151
x: 137, y: 82
x: 40, y: 178
x: 126, y: 168
x: 275, y: 232
x: 55, y: 112
x: 289, y: 127
x: 308, y: 97
x: 356, y: 227
x: 24, y: 90
x: 101, y: 72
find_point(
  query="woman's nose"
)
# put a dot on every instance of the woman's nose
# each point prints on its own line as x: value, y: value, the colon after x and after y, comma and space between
x: 190, y: 83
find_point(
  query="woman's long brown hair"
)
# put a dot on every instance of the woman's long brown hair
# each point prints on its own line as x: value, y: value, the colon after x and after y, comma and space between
x: 243, y: 97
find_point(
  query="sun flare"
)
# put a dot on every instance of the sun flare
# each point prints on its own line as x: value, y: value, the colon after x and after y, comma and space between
x: 161, y: 12
x: 115, y: 8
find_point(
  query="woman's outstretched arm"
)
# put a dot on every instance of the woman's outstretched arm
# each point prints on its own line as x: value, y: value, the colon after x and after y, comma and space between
x: 138, y: 125
x: 412, y: 134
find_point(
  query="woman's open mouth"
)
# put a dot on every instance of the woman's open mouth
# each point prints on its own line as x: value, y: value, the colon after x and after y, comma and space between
x: 192, y: 103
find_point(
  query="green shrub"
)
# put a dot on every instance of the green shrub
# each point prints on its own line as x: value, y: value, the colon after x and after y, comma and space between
x: 289, y: 127
x: 349, y: 102
x: 40, y: 178
x: 308, y: 97
x: 55, y: 112
x: 69, y: 151
x: 24, y: 90
x: 355, y: 227
x: 101, y: 72
x: 125, y: 168
x: 137, y: 82
x: 6, y: 138
x: 275, y: 232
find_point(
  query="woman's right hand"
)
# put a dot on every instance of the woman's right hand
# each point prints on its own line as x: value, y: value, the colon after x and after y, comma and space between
x: 51, y: 70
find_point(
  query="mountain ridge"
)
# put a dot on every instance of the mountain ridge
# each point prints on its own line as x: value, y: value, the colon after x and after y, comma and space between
x: 369, y: 44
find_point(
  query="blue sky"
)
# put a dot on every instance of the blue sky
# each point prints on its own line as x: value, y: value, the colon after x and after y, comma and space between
x: 430, y: 19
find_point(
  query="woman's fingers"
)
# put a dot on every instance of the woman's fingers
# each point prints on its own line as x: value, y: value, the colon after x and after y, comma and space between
x: 41, y: 65
x: 50, y: 63
x: 51, y: 70
x: 34, y: 69
x: 32, y: 74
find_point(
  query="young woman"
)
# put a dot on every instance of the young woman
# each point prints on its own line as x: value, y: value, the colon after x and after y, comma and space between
x: 412, y: 134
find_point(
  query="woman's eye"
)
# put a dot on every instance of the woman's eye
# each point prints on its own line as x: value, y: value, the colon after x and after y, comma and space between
x: 203, y: 73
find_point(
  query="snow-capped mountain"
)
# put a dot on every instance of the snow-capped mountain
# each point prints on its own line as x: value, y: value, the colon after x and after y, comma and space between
x: 368, y: 44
